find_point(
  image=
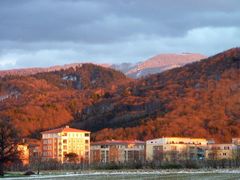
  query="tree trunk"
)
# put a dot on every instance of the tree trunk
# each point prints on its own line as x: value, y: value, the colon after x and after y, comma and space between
x: 1, y: 169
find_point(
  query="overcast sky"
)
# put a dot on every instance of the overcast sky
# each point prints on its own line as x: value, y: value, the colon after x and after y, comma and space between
x: 37, y: 33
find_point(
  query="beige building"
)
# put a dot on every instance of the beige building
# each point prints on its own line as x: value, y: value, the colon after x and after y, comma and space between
x: 175, y: 149
x: 236, y: 141
x: 57, y: 143
x: 221, y: 151
x: 117, y: 151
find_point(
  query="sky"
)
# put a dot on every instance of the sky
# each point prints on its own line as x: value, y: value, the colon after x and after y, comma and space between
x: 40, y: 33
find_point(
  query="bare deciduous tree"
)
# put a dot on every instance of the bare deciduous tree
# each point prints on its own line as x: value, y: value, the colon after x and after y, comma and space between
x: 9, y: 140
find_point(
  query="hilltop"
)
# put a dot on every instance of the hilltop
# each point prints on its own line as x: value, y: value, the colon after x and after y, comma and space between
x: 162, y: 62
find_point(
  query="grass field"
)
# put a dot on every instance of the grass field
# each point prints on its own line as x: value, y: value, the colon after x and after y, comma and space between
x: 142, y: 175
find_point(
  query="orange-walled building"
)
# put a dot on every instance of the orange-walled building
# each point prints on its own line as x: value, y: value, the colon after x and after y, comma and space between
x: 23, y: 151
x: 35, y: 150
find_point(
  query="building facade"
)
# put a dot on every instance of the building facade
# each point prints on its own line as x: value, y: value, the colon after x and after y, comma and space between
x: 23, y: 151
x: 175, y: 149
x: 118, y: 151
x: 57, y: 143
x: 35, y: 151
x: 221, y: 151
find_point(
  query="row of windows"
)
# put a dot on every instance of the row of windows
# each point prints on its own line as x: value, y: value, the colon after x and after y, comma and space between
x: 47, y: 141
x: 123, y: 146
x: 74, y: 140
x: 47, y: 153
x: 215, y: 154
x: 219, y: 148
x: 54, y: 135
x: 76, y: 134
x: 47, y: 147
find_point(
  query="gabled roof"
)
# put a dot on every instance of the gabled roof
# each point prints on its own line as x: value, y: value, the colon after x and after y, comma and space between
x: 64, y: 129
x: 112, y: 142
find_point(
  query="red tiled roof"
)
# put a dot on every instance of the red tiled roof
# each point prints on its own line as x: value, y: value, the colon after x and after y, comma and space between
x: 109, y: 142
x: 65, y: 129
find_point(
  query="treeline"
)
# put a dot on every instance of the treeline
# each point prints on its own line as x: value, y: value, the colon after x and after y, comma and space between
x: 52, y: 165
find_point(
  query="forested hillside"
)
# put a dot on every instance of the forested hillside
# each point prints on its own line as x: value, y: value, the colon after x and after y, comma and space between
x: 201, y: 99
x: 51, y: 99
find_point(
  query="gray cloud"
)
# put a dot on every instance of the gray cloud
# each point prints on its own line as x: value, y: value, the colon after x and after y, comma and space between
x: 49, y: 32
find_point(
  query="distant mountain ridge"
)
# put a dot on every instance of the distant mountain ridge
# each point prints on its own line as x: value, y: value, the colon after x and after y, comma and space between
x: 163, y: 62
x: 35, y: 70
x: 153, y: 65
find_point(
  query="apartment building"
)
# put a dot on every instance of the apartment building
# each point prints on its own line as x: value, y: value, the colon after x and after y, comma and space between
x: 175, y: 149
x: 57, y: 143
x: 221, y: 151
x: 35, y: 151
x: 119, y: 151
x: 236, y: 141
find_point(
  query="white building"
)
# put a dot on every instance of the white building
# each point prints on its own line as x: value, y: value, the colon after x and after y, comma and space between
x: 175, y: 148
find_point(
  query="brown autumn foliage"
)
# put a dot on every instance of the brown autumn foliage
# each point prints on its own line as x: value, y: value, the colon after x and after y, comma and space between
x: 201, y: 99
x: 48, y: 100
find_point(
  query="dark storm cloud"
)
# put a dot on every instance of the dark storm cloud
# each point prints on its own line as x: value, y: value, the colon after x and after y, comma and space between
x: 112, y: 29
x: 104, y: 21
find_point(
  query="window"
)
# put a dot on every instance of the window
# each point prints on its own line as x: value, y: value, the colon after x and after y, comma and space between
x: 226, y: 147
x: 45, y: 141
x: 104, y: 146
x: 86, y: 141
x: 86, y: 134
x: 65, y: 141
